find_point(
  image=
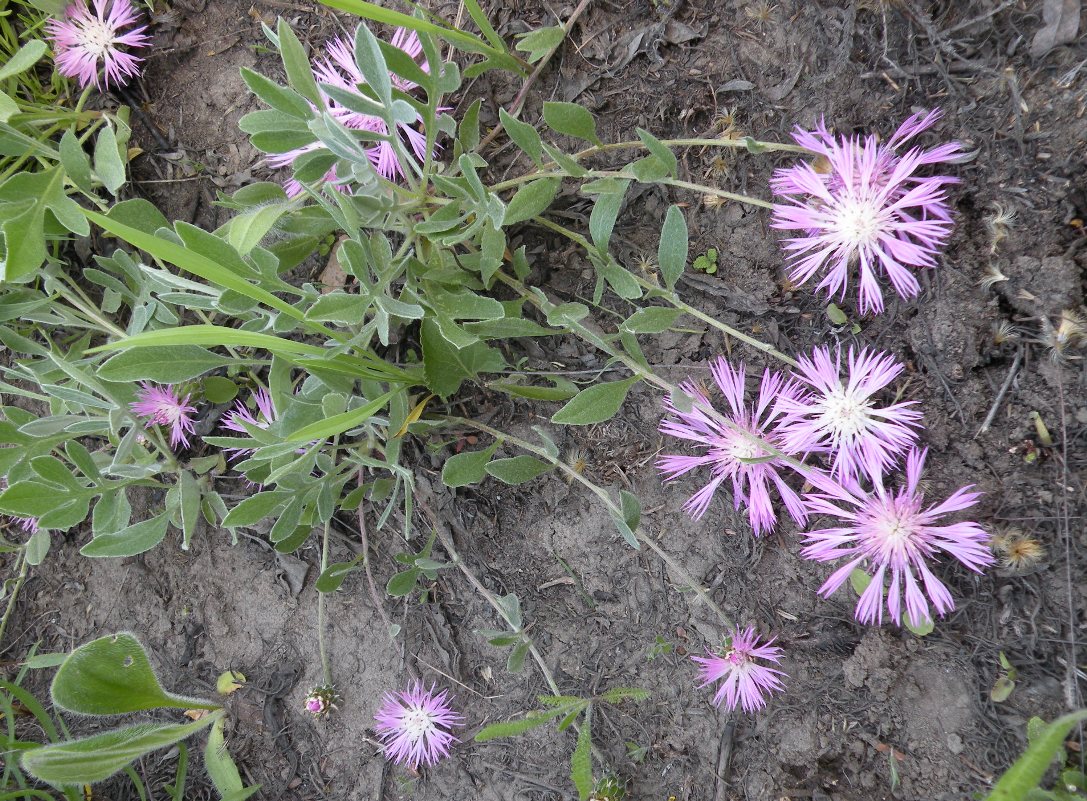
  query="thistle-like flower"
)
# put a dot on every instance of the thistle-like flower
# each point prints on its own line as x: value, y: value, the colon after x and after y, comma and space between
x: 883, y: 532
x: 164, y: 406
x: 868, y: 207
x: 415, y: 724
x: 85, y: 42
x: 731, y: 443
x: 241, y: 414
x: 746, y: 681
x: 843, y: 417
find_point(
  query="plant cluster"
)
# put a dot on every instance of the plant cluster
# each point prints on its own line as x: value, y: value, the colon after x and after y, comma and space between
x: 184, y: 363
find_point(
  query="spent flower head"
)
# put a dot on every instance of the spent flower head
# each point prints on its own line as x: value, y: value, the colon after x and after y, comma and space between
x: 841, y: 415
x: 86, y: 41
x: 731, y: 444
x: 164, y: 406
x: 414, y: 725
x: 740, y: 666
x: 868, y: 208
x: 895, y: 535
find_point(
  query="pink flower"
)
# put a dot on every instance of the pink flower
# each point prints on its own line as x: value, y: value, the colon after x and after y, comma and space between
x: 414, y: 725
x: 339, y: 69
x: 235, y: 419
x: 85, y: 42
x: 882, y: 533
x: 731, y: 445
x: 163, y: 406
x: 842, y: 416
x: 746, y: 682
x: 869, y: 207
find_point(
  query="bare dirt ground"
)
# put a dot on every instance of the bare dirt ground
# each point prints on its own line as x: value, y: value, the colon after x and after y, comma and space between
x: 870, y: 713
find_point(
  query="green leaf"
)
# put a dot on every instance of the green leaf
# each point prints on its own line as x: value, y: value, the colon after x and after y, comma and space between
x: 652, y: 320
x: 572, y: 120
x: 603, y: 216
x: 662, y: 152
x: 673, y: 247
x: 193, y: 262
x: 246, y: 231
x: 446, y: 367
x: 37, y: 547
x: 512, y: 728
x: 540, y: 42
x: 403, y: 583
x: 581, y: 763
x: 859, y: 580
x: 276, y: 96
x: 339, y: 423
x: 93, y: 759
x: 256, y: 508
x: 39, y: 661
x: 333, y: 576
x: 212, y: 335
x: 515, y: 662
x: 467, y: 468
x: 531, y: 199
x: 923, y: 629
x: 523, y: 135
x: 111, y: 676
x: 518, y: 470
x: 617, y: 694
x: 221, y: 768
x: 168, y: 364
x: 28, y: 499
x: 559, y: 392
x: 296, y: 64
x: 595, y: 404
x: 108, y: 165
x: 135, y: 539
x: 836, y: 315
x: 1026, y: 773
x: 75, y: 162
x: 189, y: 490
x: 219, y: 390
x: 25, y: 57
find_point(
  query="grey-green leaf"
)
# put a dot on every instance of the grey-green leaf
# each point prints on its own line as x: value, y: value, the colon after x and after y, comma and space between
x: 518, y: 470
x: 572, y: 120
x: 165, y: 364
x: 111, y: 676
x: 130, y: 541
x: 531, y: 199
x: 673, y: 247
x: 595, y: 404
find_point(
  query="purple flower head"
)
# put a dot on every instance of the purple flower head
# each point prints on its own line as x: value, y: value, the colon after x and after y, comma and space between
x: 414, y: 725
x: 338, y: 68
x: 241, y: 414
x: 729, y: 446
x: 86, y: 41
x: 884, y: 532
x: 164, y: 406
x: 869, y: 207
x: 841, y: 415
x: 746, y: 682
x: 321, y: 701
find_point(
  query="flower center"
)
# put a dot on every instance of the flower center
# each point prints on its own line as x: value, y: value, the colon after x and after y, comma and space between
x: 97, y: 37
x: 740, y: 448
x: 845, y: 414
x: 417, y: 723
x: 858, y: 219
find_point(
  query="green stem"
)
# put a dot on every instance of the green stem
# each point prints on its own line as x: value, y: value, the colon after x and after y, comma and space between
x: 610, y: 504
x: 326, y: 665
x: 673, y: 298
x: 24, y: 567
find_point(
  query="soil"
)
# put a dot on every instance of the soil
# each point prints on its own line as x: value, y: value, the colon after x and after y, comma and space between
x: 870, y: 713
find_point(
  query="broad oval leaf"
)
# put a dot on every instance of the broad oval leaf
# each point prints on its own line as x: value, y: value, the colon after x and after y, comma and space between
x: 518, y: 470
x: 595, y: 404
x: 111, y: 676
x: 130, y: 541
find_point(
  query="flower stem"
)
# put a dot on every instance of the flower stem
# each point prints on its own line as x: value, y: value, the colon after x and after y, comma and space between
x: 326, y: 665
x: 24, y: 567
x: 608, y: 502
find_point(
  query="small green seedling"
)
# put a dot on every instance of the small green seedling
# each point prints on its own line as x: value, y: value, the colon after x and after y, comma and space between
x: 707, y: 262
